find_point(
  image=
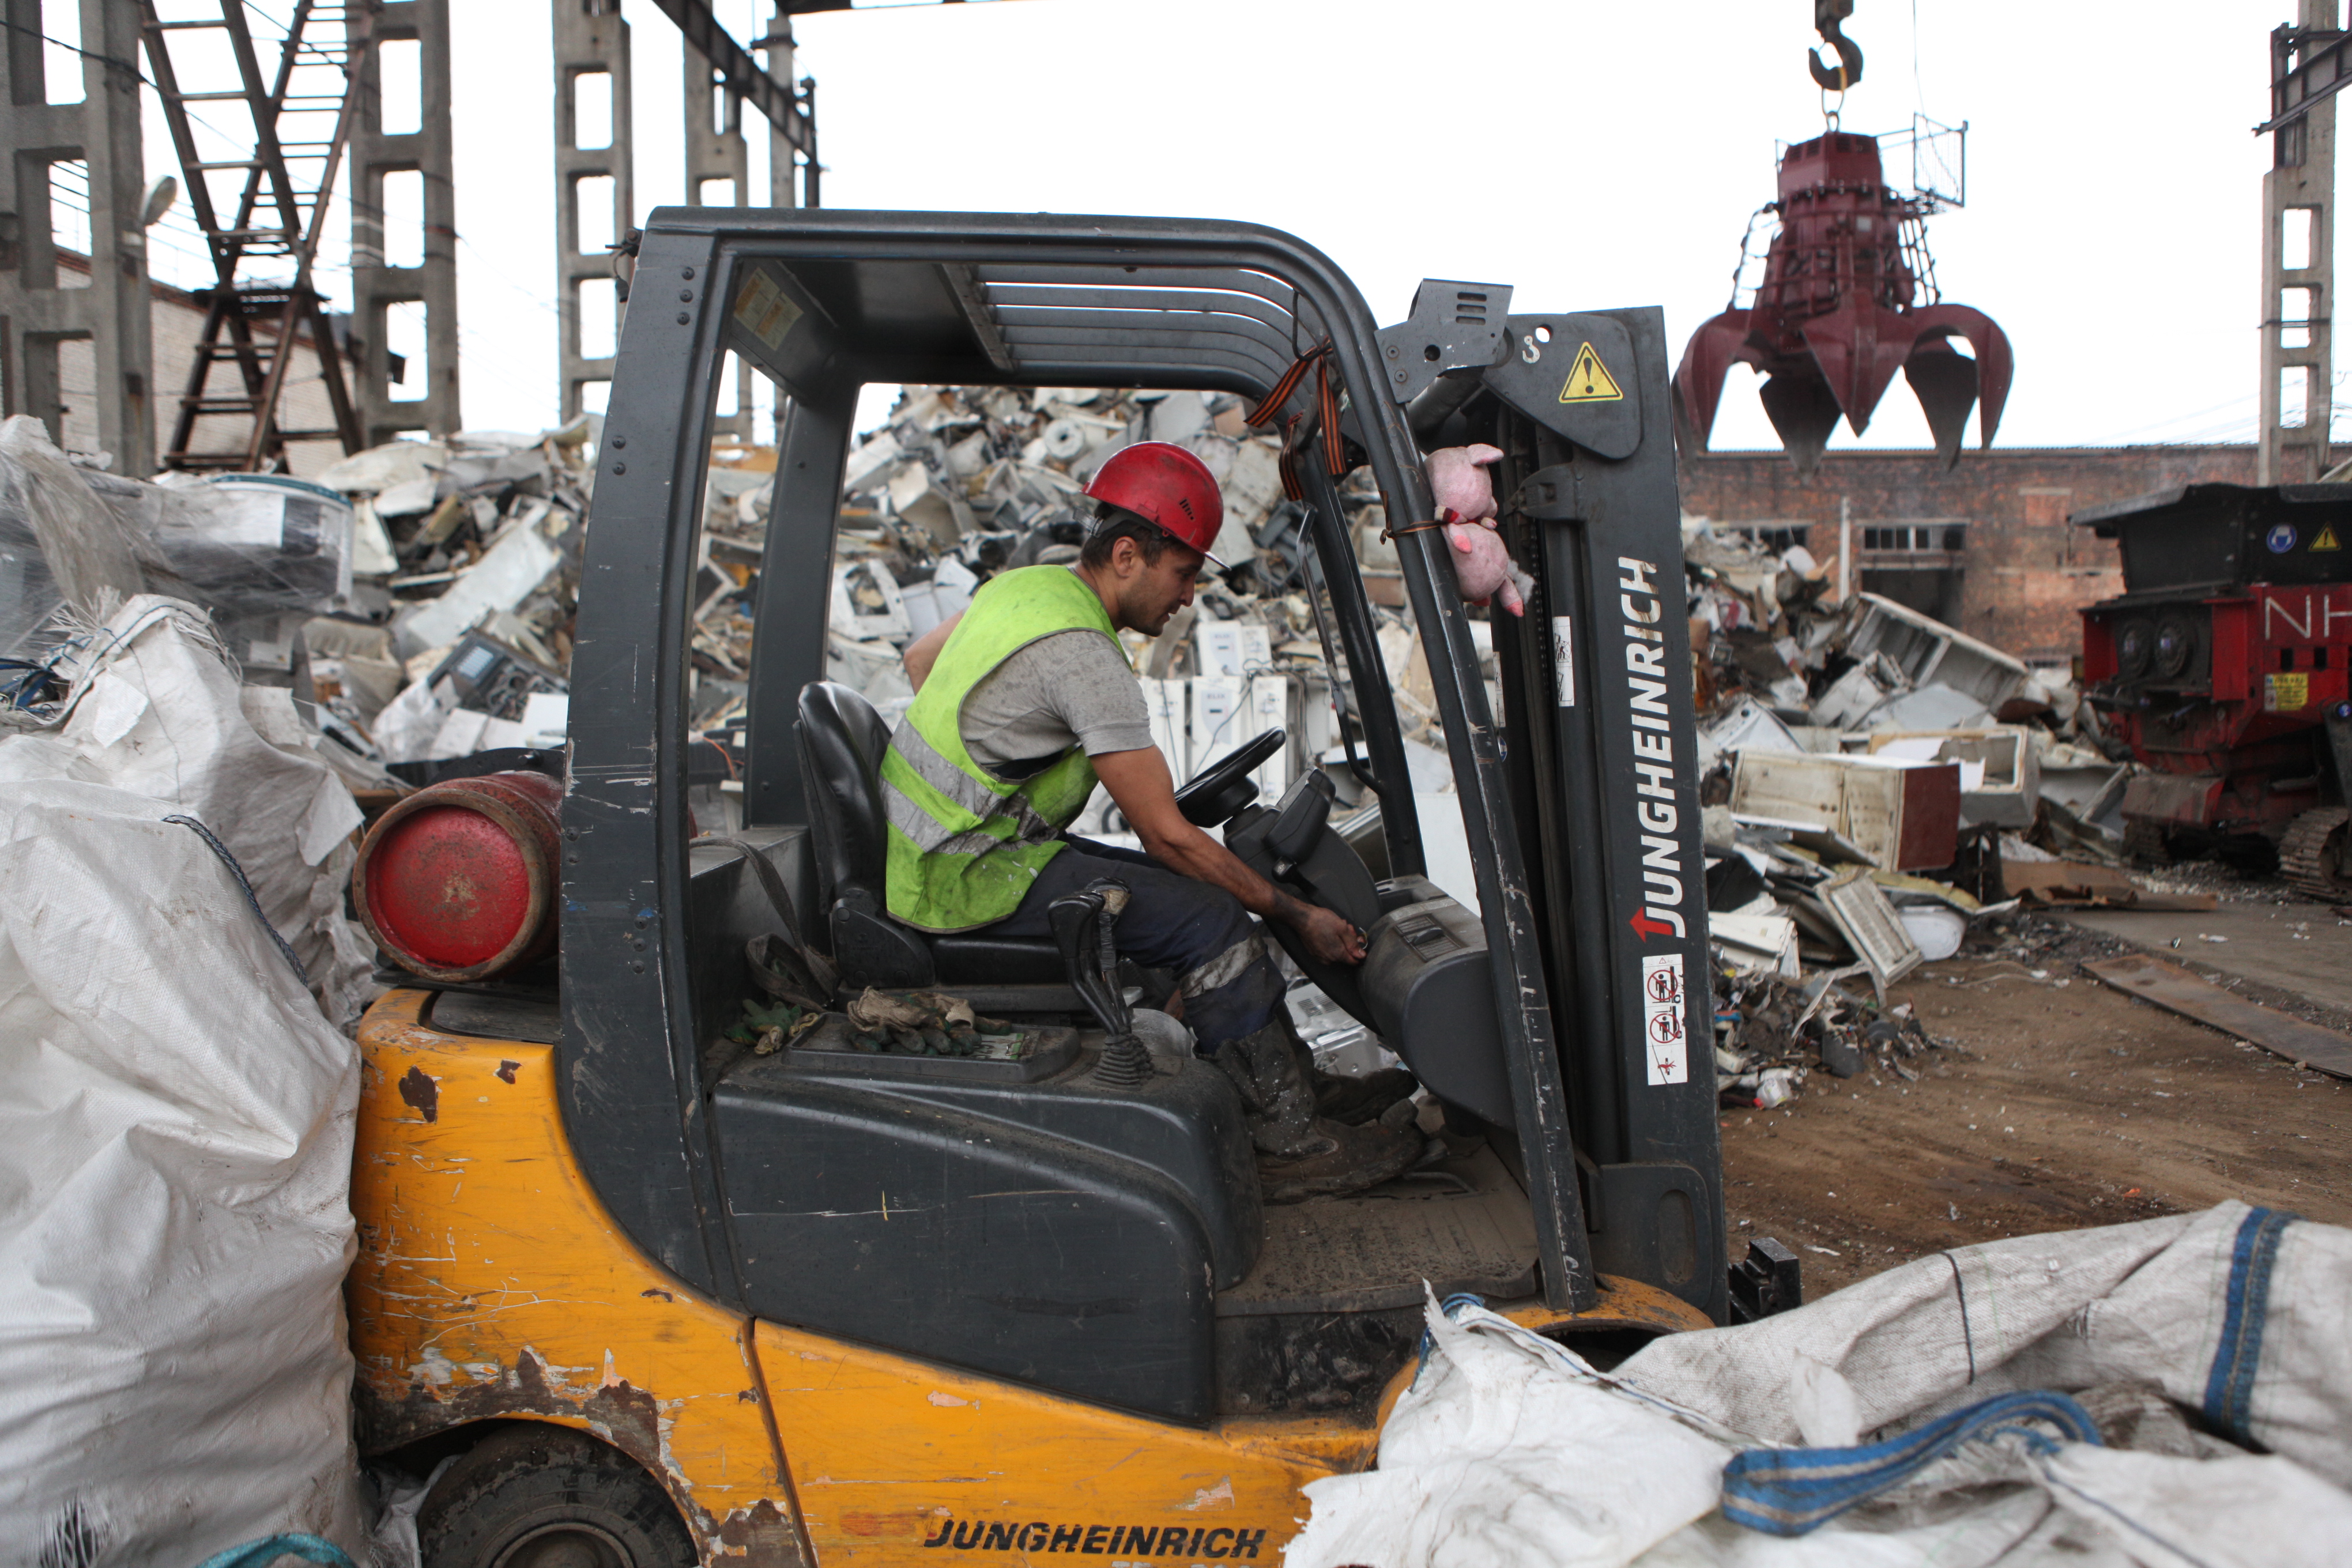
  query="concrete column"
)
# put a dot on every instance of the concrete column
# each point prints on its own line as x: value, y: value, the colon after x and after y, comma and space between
x: 782, y: 188
x: 589, y: 40
x: 111, y: 313
x: 377, y: 288
x: 715, y: 149
x: 2302, y: 182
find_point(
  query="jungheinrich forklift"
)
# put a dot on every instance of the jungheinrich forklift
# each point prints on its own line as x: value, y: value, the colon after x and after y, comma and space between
x: 656, y: 1297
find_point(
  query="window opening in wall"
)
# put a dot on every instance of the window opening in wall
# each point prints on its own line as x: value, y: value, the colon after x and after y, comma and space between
x: 595, y: 395
x: 2294, y: 239
x: 1914, y: 539
x: 600, y: 329
x: 2294, y: 317
x: 592, y: 196
x: 403, y: 339
x: 404, y: 218
x: 715, y: 193
x: 70, y: 217
x: 60, y: 51
x: 399, y: 77
x: 591, y: 110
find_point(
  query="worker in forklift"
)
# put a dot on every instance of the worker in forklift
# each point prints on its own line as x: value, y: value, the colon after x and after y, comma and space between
x: 1023, y: 701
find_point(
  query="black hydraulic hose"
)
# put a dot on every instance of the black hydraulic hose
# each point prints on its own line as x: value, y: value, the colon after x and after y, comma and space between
x: 1310, y: 573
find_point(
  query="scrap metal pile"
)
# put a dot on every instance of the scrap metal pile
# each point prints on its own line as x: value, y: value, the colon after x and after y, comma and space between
x: 963, y: 482
x: 1878, y: 786
x: 471, y: 556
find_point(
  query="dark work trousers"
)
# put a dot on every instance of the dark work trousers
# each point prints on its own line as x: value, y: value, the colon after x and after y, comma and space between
x: 1198, y: 931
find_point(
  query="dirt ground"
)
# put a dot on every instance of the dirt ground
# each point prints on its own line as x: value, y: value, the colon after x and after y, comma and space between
x: 2054, y: 1103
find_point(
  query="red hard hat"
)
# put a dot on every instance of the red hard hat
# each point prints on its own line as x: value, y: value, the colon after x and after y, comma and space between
x: 1164, y: 484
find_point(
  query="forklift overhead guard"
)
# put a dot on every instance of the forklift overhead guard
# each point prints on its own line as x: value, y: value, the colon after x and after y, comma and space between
x: 879, y: 1308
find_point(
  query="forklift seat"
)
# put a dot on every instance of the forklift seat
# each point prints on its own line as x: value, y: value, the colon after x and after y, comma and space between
x: 842, y: 739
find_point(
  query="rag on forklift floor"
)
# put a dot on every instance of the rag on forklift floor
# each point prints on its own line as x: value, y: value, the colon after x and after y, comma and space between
x: 663, y: 1295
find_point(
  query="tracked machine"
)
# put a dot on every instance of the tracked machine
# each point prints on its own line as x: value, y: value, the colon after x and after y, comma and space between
x: 2223, y: 666
x: 659, y: 1296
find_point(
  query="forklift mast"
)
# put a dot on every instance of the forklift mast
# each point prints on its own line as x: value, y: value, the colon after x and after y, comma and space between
x: 1579, y: 801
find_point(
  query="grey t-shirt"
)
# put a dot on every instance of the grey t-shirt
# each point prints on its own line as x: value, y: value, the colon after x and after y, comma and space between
x: 1071, y: 686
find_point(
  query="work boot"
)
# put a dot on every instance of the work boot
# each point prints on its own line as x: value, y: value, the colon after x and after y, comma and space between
x: 1300, y: 1155
x: 1343, y: 1160
x: 1357, y: 1100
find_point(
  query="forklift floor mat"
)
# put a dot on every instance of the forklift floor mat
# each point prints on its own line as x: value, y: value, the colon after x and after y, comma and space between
x: 1373, y: 1252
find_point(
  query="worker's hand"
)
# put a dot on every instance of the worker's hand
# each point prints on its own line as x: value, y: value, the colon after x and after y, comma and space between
x: 1145, y: 794
x: 1329, y: 935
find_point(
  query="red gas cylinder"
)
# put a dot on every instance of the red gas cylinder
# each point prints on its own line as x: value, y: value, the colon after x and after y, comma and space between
x: 459, y: 881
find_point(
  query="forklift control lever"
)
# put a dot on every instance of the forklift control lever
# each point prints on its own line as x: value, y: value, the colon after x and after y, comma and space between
x: 1082, y: 923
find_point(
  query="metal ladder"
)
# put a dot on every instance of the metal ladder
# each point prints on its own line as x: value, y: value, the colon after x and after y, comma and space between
x: 264, y: 301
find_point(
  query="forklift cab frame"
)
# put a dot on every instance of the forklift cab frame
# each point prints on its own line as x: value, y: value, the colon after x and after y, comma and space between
x: 1580, y: 815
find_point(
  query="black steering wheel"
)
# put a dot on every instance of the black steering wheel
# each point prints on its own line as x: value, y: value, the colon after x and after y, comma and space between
x: 1219, y: 793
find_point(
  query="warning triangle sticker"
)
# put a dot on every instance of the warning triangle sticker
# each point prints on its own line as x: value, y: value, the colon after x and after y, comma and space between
x: 2326, y: 540
x: 1588, y: 380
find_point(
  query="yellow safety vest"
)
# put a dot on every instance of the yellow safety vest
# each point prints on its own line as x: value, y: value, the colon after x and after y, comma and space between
x: 965, y: 845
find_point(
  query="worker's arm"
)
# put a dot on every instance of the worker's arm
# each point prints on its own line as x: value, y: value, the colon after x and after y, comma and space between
x: 1140, y: 783
x: 924, y: 651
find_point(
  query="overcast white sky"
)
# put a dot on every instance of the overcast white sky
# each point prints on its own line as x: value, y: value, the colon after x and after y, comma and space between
x: 1592, y: 155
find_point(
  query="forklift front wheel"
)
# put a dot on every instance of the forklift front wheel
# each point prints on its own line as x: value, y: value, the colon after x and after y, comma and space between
x: 548, y: 1496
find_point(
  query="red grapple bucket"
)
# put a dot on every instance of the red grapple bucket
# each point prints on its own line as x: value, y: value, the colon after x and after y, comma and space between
x: 459, y: 880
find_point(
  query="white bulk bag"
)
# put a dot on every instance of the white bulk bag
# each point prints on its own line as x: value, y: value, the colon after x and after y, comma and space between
x: 175, y: 1122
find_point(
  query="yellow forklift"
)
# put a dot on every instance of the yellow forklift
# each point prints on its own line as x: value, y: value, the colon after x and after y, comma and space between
x: 643, y: 1296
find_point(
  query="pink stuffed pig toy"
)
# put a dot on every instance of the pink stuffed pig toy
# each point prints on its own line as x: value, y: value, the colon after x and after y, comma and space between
x: 1458, y: 479
x: 1466, y: 504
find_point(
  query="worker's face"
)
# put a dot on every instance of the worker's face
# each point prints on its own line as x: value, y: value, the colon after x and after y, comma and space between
x: 1149, y: 592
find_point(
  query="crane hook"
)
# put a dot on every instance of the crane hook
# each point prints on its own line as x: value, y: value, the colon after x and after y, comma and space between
x: 1827, y: 14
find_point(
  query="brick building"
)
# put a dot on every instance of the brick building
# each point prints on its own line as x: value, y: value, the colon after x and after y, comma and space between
x: 1984, y: 547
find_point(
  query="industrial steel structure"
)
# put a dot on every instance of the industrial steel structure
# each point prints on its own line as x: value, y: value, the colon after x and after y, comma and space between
x: 595, y: 168
x: 296, y: 107
x: 378, y: 287
x: 41, y: 307
x: 2298, y: 250
x: 265, y: 300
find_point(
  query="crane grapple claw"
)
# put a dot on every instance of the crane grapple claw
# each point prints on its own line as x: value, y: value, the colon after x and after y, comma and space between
x: 1847, y: 300
x: 1803, y: 411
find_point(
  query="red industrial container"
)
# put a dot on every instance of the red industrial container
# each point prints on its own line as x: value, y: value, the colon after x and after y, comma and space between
x: 2226, y: 665
x: 459, y: 881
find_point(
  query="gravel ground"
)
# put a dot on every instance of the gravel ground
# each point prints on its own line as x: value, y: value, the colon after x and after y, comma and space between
x: 2051, y: 1102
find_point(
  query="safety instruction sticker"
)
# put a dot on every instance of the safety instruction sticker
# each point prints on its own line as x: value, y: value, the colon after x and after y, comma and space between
x: 1588, y: 380
x: 1665, y: 1042
x: 765, y: 311
x: 1563, y: 660
x: 2286, y: 693
x: 2326, y: 540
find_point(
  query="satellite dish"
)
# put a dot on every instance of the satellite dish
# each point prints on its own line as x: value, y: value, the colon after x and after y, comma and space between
x: 158, y: 201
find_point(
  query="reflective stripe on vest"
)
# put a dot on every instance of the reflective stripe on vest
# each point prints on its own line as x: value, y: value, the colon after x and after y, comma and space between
x: 964, y: 844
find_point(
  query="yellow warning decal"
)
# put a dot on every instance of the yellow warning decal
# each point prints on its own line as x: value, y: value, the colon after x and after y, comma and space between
x: 2326, y: 540
x: 1588, y: 380
x: 2286, y: 693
